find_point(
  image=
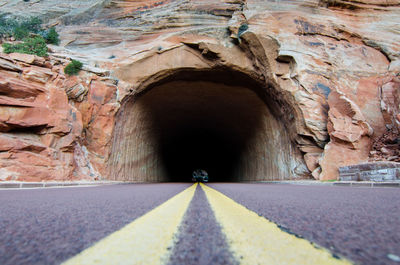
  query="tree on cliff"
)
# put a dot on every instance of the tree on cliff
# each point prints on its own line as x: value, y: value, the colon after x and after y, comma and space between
x: 73, y: 68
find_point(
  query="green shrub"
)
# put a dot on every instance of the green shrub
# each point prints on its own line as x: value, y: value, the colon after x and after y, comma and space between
x: 19, y: 29
x: 8, y: 48
x: 33, y: 24
x: 33, y: 45
x: 242, y: 29
x: 7, y: 26
x: 52, y: 36
x: 22, y: 29
x: 32, y: 34
x: 20, y: 33
x: 73, y: 68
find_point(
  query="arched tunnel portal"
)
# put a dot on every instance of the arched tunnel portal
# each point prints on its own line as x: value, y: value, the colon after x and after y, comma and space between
x: 218, y: 120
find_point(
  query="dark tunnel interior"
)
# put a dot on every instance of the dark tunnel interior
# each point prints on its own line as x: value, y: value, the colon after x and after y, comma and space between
x: 182, y: 125
x: 197, y: 144
x: 199, y: 148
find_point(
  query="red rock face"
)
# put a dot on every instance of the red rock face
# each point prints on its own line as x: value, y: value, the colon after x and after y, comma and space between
x: 387, y: 146
x: 39, y: 127
x: 329, y: 70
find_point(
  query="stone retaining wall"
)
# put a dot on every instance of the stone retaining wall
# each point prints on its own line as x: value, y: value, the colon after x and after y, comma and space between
x: 376, y: 171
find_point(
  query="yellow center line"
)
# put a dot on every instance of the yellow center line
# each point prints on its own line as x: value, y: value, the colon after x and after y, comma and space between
x: 255, y: 240
x: 147, y: 240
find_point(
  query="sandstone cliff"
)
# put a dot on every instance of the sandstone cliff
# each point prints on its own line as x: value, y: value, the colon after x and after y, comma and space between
x: 328, y: 71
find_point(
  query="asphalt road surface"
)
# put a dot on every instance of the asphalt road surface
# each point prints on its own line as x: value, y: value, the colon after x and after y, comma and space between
x: 200, y: 225
x: 362, y: 224
x: 200, y: 240
x: 47, y: 226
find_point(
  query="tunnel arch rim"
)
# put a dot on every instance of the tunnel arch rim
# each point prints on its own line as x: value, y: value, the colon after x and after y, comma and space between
x: 262, y: 88
x: 283, y: 105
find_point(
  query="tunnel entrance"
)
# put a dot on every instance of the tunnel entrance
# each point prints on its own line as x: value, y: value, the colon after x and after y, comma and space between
x: 220, y: 122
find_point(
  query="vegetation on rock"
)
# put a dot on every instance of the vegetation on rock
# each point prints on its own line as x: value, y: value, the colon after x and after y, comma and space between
x: 32, y: 45
x: 10, y: 27
x: 30, y: 32
x: 73, y: 68
x: 7, y: 26
x: 242, y: 29
x: 52, y: 36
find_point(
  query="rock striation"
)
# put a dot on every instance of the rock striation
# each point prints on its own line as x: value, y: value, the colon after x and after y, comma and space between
x: 328, y: 72
x: 42, y: 131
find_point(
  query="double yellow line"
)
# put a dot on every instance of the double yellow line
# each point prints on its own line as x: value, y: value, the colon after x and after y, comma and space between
x: 147, y: 240
x: 252, y: 239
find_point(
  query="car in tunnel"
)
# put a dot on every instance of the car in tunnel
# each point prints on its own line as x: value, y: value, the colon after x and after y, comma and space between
x: 200, y: 175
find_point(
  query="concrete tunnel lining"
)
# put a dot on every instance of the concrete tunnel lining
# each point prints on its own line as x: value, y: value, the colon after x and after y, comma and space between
x: 182, y: 124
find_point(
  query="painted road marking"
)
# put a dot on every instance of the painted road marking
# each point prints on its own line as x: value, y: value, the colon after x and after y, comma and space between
x: 255, y: 240
x: 147, y: 240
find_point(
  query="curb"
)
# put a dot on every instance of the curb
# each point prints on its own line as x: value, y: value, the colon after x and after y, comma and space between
x: 370, y: 184
x: 26, y: 185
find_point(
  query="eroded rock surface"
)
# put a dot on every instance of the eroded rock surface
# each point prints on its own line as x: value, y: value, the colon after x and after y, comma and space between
x: 329, y: 72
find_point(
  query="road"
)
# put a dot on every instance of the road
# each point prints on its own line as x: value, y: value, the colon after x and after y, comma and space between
x: 217, y: 223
